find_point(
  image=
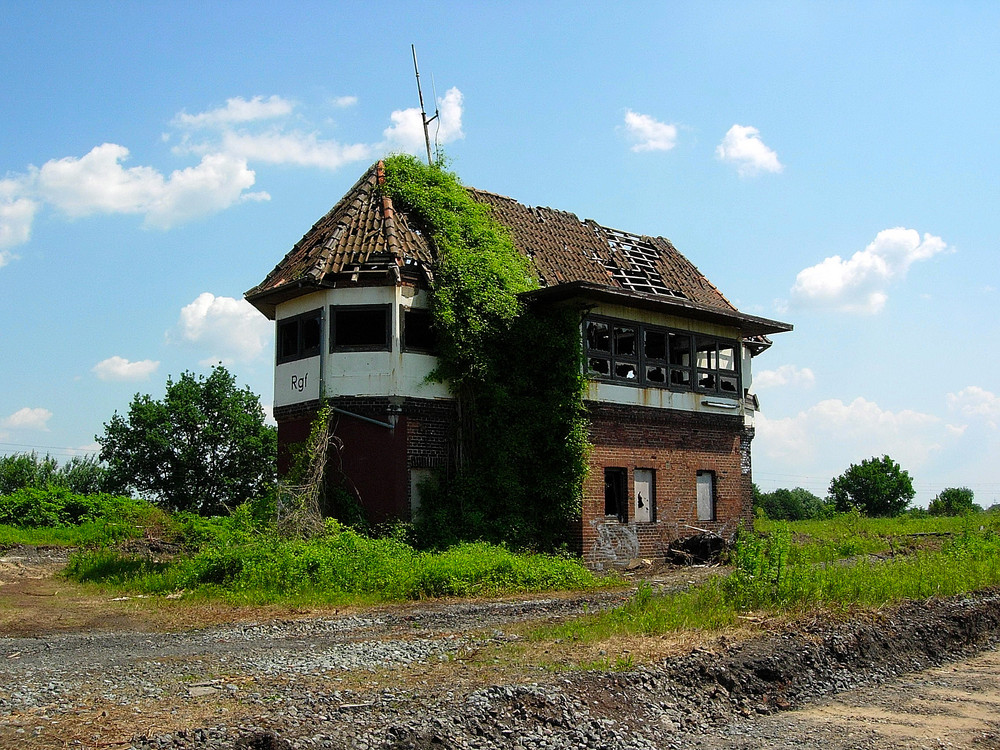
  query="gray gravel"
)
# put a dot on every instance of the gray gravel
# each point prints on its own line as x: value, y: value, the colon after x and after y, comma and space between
x: 290, y: 679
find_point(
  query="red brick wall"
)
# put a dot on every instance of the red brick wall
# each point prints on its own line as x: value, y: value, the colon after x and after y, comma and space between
x: 676, y: 445
x: 374, y: 460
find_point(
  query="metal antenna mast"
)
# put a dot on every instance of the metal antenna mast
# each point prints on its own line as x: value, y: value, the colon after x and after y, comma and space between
x: 423, y: 113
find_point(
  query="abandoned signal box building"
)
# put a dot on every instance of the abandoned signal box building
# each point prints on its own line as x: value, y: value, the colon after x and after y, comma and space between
x: 668, y: 360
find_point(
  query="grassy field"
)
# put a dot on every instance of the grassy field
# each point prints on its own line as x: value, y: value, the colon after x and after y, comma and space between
x: 787, y: 569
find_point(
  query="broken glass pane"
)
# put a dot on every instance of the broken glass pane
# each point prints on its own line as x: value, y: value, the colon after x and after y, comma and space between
x: 655, y: 344
x: 727, y: 385
x: 656, y: 374
x: 707, y: 356
x: 680, y: 377
x: 598, y: 366
x: 625, y: 341
x: 680, y: 350
x: 599, y: 335
x: 727, y: 357
x: 625, y: 370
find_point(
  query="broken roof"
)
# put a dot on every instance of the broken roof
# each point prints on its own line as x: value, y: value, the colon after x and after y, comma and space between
x: 364, y: 240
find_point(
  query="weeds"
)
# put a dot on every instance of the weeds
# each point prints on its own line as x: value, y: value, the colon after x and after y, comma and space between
x: 247, y: 564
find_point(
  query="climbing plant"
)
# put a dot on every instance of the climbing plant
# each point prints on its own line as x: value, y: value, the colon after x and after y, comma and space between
x: 517, y: 376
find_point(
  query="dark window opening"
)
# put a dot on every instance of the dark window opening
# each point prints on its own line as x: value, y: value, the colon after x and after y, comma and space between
x: 418, y: 330
x: 598, y: 336
x: 363, y: 328
x: 615, y: 492
x: 299, y: 336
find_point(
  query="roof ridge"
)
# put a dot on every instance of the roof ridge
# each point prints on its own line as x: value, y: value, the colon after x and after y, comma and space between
x: 388, y: 217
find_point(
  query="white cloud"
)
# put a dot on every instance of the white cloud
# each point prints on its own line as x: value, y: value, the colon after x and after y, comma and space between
x: 345, y: 101
x: 858, y: 284
x: 977, y: 403
x: 649, y: 134
x: 293, y: 148
x: 407, y: 130
x: 230, y: 330
x: 17, y: 212
x: 98, y: 183
x: 120, y: 369
x: 838, y: 433
x: 743, y: 147
x: 237, y: 110
x: 786, y: 375
x: 28, y: 419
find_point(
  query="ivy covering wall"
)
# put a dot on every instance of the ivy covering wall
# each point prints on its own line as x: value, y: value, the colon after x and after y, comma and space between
x: 515, y: 371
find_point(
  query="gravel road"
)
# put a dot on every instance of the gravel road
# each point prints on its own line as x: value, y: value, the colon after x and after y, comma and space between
x: 421, y: 677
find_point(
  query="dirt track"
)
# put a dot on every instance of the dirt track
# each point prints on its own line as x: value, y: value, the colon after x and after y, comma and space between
x: 444, y: 675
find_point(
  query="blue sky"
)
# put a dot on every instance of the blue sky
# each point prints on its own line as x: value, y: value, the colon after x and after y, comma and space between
x: 832, y: 165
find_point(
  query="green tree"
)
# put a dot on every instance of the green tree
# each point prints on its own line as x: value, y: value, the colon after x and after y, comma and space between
x: 789, y: 505
x: 203, y: 448
x: 953, y: 501
x: 875, y: 487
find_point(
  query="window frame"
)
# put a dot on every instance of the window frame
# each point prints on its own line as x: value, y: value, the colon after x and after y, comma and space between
x: 301, y: 351
x: 677, y: 376
x: 335, y: 310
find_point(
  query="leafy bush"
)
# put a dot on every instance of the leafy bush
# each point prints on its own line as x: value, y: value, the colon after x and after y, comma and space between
x: 58, y: 506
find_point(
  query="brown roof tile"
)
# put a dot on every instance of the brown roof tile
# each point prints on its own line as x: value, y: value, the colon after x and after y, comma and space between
x: 364, y: 234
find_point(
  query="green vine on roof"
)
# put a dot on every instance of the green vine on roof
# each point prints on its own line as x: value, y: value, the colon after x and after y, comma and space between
x: 517, y: 376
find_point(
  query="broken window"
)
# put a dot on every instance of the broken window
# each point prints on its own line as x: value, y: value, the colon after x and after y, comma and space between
x: 360, y: 327
x: 615, y: 492
x: 644, y: 505
x: 706, y: 495
x: 417, y: 330
x: 299, y: 336
x: 716, y: 364
x: 651, y: 356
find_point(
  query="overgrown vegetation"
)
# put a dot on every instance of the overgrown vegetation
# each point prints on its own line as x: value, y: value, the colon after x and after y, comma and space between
x: 841, y: 562
x: 517, y: 377
x: 80, y: 474
x: 246, y: 563
x: 57, y: 516
x: 790, y: 505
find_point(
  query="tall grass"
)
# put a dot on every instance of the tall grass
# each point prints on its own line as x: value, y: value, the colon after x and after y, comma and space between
x: 247, y: 564
x: 773, y: 574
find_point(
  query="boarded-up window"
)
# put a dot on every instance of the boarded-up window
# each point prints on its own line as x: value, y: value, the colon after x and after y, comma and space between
x: 706, y: 495
x: 642, y: 503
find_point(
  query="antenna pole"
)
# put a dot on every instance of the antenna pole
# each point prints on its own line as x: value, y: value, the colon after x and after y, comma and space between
x: 423, y: 113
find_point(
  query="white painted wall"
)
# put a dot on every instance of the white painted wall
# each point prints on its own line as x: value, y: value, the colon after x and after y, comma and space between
x: 392, y: 373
